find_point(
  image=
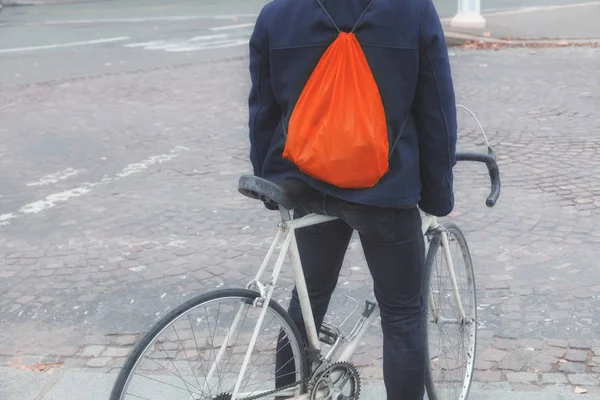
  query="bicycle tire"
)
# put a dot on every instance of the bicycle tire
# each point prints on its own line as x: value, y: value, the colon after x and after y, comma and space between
x: 454, y: 232
x: 120, y: 386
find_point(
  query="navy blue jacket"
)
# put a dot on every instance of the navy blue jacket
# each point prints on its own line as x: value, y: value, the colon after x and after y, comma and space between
x: 404, y: 44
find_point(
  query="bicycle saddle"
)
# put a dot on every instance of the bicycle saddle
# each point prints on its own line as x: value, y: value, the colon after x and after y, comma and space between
x: 288, y: 193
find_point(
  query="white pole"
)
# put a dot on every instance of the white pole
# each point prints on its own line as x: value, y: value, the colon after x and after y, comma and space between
x: 469, y: 15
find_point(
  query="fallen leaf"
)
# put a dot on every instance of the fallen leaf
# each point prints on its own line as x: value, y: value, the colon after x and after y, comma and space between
x: 39, y: 367
x: 580, y: 390
x: 483, y: 45
x: 487, y: 34
x: 562, y: 361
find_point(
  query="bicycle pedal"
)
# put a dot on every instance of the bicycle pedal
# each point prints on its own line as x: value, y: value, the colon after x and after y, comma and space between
x: 328, y: 334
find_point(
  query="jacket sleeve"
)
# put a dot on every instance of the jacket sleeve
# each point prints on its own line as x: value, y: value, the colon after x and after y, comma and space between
x: 265, y: 114
x: 434, y: 109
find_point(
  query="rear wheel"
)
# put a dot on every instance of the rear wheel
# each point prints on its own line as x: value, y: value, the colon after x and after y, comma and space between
x: 451, y: 337
x: 175, y: 358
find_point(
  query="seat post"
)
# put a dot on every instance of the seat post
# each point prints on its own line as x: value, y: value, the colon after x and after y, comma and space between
x: 286, y: 214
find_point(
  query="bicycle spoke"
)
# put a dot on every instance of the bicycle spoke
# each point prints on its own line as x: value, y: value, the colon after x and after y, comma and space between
x: 173, y: 373
x: 259, y: 357
x: 212, y: 345
x: 187, y: 358
x: 238, y: 334
x: 199, y: 353
x: 259, y: 365
x: 265, y: 381
x: 166, y: 383
x: 139, y: 397
x: 243, y: 354
x: 197, y: 335
x: 279, y: 369
x: 235, y: 343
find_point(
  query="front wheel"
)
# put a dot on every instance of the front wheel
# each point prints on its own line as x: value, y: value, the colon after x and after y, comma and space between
x: 451, y: 332
x: 196, y: 352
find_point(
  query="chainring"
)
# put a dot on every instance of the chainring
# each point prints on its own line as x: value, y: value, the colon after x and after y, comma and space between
x: 339, y: 381
x: 222, y: 396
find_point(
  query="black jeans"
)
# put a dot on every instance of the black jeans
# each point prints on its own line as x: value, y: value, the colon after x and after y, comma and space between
x: 394, y: 249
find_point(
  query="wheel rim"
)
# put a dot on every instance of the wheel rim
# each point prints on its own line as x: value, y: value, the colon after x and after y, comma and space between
x: 197, y: 336
x: 452, y: 340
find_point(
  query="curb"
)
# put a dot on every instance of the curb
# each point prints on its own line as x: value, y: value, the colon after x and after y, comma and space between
x: 457, y: 39
x: 15, y: 3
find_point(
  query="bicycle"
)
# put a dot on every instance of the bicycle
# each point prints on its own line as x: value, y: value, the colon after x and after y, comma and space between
x: 317, y: 374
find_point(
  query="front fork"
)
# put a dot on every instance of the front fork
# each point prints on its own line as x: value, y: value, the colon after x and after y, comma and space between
x: 433, y: 307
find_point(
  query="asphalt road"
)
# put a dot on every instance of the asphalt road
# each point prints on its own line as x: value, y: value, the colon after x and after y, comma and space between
x: 60, y: 41
x: 49, y: 42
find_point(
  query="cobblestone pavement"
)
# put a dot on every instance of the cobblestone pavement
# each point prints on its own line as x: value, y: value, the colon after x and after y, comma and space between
x: 144, y: 212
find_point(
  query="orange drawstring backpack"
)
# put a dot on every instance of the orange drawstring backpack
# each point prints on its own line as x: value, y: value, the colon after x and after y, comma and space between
x: 337, y: 132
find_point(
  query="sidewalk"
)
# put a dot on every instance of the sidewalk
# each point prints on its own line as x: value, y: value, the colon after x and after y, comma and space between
x: 559, y: 24
x: 61, y: 385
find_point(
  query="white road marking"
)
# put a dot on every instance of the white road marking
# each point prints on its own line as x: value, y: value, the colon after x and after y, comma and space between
x: 231, y: 43
x: 177, y: 243
x: 61, y: 45
x: 208, y: 37
x: 53, y: 199
x: 5, y: 218
x: 526, y: 10
x: 235, y: 16
x: 58, y: 176
x: 156, y: 44
x: 163, y: 46
x: 137, y: 20
x: 237, y: 35
x: 62, y: 197
x: 230, y: 27
x: 144, y: 44
x: 139, y: 167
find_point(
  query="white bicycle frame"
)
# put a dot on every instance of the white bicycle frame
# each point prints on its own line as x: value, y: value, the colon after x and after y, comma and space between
x: 286, y: 239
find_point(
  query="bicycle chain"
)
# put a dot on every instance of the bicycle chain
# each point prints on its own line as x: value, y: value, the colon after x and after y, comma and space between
x: 305, y: 381
x: 227, y: 396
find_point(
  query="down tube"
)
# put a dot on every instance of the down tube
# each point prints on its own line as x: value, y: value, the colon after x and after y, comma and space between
x: 265, y: 306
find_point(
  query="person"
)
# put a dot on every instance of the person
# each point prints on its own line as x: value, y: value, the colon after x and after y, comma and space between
x: 404, y: 44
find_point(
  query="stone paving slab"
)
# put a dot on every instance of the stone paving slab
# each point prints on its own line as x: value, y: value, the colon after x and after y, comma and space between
x: 25, y: 385
x: 71, y: 385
